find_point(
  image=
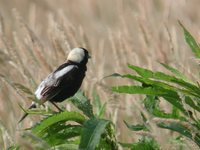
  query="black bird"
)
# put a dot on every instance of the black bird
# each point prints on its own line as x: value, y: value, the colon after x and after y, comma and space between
x: 65, y: 81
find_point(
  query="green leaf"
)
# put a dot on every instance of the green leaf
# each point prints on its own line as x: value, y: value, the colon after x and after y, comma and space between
x: 183, y: 130
x: 152, y: 105
x: 61, y: 133
x: 191, y: 89
x: 149, y: 82
x: 14, y: 147
x: 177, y: 73
x: 176, y: 102
x: 145, y: 73
x: 150, y: 90
x: 56, y: 118
x: 82, y: 103
x: 113, y: 75
x: 191, y: 41
x: 126, y: 145
x: 169, y: 95
x: 176, y: 114
x: 137, y: 90
x: 137, y: 127
x: 100, y: 109
x: 96, y: 100
x: 143, y: 144
x: 92, y: 131
x: 66, y: 146
x: 141, y: 71
x: 36, y: 111
x: 191, y: 103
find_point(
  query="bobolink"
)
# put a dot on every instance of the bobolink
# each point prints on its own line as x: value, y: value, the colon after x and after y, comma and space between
x: 65, y: 81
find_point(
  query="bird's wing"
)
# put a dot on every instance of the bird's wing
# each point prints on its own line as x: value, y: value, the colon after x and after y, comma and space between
x: 49, y: 86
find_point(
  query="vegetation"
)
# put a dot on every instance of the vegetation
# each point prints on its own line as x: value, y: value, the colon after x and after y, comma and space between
x: 142, y: 109
x: 176, y: 89
x: 87, y: 130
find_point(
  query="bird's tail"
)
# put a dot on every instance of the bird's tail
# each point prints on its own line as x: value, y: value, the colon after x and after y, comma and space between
x: 33, y: 105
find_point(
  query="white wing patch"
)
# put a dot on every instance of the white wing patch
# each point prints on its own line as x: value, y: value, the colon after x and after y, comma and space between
x: 63, y: 71
x: 52, y: 80
x: 39, y: 90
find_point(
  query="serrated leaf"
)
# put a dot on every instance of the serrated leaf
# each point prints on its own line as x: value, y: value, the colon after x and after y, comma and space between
x: 183, y: 130
x: 191, y: 41
x: 175, y: 101
x: 83, y: 104
x: 92, y: 131
x: 143, y: 144
x: 149, y: 82
x: 169, y: 95
x: 137, y: 90
x: 176, y: 72
x: 56, y: 118
x: 189, y: 88
x: 192, y: 89
x: 137, y: 127
x: 61, y: 133
x: 150, y: 90
x: 191, y: 103
x: 146, y: 73
x: 36, y: 111
x: 152, y: 105
x: 141, y: 71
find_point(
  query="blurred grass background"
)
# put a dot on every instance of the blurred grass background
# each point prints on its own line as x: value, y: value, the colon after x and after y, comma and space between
x: 36, y: 36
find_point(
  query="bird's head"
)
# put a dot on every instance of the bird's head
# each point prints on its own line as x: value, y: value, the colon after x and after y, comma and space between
x: 78, y: 55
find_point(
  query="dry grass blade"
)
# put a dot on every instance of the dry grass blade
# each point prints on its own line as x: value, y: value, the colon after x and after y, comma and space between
x: 37, y: 46
x: 2, y: 28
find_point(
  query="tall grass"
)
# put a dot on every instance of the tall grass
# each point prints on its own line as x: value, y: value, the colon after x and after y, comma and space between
x: 35, y: 37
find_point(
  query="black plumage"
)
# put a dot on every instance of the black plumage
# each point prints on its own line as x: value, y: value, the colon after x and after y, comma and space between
x: 65, y: 81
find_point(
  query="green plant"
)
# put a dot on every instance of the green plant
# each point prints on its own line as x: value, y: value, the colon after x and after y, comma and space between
x: 176, y: 89
x: 86, y: 128
x: 73, y: 130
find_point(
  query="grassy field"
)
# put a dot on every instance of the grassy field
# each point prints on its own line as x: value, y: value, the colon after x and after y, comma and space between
x: 36, y: 36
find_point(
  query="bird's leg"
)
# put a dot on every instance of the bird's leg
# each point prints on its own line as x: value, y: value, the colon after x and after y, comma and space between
x: 57, y: 106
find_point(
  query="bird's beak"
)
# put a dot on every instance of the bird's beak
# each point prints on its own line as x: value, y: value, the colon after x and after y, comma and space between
x: 89, y: 57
